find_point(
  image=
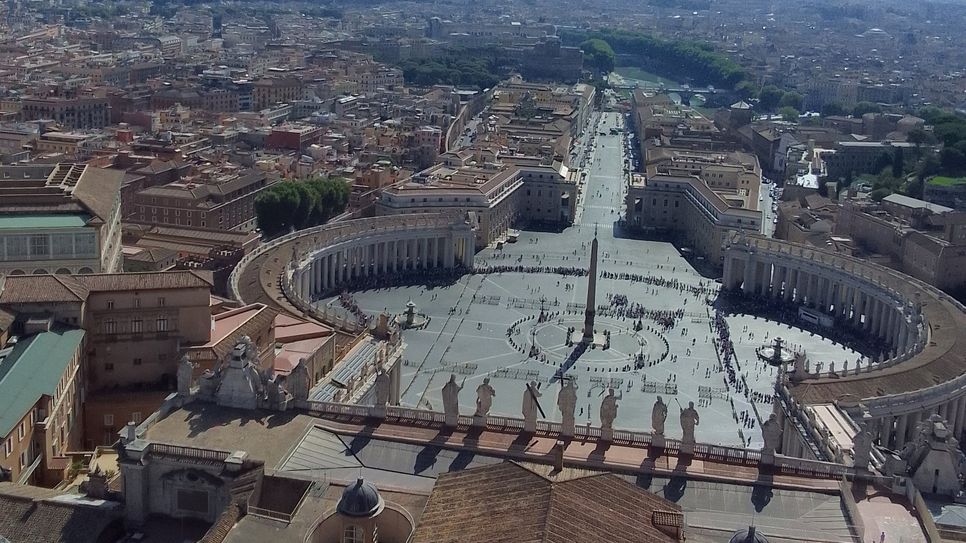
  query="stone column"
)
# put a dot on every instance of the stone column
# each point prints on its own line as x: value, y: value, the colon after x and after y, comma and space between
x: 330, y: 264
x: 789, y: 291
x: 885, y: 430
x: 902, y: 424
x: 801, y: 280
x: 914, y: 419
x: 857, y: 298
x: 747, y: 284
x: 952, y: 413
x: 960, y: 418
x: 448, y: 252
x: 424, y: 254
x: 468, y: 253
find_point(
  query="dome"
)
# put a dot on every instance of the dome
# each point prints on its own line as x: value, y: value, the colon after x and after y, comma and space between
x: 748, y: 535
x: 361, y: 499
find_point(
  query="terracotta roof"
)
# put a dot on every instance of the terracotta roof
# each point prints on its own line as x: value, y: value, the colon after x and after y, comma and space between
x: 511, y: 503
x: 75, y: 288
x: 146, y: 280
x: 19, y: 289
x: 98, y: 190
x: 30, y: 517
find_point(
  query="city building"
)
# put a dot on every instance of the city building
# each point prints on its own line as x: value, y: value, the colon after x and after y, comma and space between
x: 214, y: 198
x: 59, y: 218
x: 42, y: 384
x: 492, y: 192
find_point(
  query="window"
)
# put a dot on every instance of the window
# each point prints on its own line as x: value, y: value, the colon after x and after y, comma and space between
x: 110, y: 304
x: 162, y: 324
x: 136, y: 417
x: 8, y: 447
x: 22, y: 430
x: 137, y: 326
x: 108, y: 366
x: 108, y: 420
x: 110, y: 327
x: 39, y: 246
x: 137, y: 302
x: 137, y: 361
x: 353, y: 534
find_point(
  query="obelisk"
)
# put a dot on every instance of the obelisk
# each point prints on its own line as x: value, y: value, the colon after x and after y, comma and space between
x: 591, y: 295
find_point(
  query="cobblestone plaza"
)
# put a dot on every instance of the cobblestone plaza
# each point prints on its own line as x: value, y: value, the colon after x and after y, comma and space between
x: 490, y: 325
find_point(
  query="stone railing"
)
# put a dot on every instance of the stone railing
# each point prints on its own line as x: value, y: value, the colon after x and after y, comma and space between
x: 209, y: 455
x: 702, y: 451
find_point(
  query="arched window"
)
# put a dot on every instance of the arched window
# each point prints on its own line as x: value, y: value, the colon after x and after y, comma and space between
x: 353, y: 534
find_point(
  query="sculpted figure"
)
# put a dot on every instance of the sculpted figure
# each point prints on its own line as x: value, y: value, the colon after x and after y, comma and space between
x: 608, y: 410
x: 382, y: 388
x: 771, y: 431
x: 689, y: 419
x: 530, y: 407
x: 567, y: 403
x: 451, y: 400
x: 658, y: 416
x: 484, y: 398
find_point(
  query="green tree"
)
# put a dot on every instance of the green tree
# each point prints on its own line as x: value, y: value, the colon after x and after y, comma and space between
x: 833, y: 109
x: 862, y: 108
x: 878, y: 194
x: 768, y: 97
x: 275, y: 208
x: 599, y: 55
x: 792, y: 100
x: 898, y: 162
x: 789, y: 113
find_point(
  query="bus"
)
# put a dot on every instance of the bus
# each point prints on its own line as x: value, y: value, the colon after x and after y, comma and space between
x: 815, y: 317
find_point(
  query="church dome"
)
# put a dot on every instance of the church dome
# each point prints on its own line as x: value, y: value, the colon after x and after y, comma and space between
x: 361, y: 499
x: 748, y: 535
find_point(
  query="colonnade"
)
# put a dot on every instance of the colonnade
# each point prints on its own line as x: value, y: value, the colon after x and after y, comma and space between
x: 880, y: 303
x: 329, y: 268
x: 829, y: 290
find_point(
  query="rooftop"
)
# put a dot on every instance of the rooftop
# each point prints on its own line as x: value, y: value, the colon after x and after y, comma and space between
x: 30, y: 222
x: 33, y: 368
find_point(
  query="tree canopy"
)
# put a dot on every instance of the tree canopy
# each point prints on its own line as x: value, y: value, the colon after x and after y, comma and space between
x: 789, y: 113
x: 598, y: 55
x: 696, y: 63
x: 300, y: 204
x: 478, y: 67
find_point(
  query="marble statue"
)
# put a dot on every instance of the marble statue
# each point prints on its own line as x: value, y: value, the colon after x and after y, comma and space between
x: 658, y: 416
x: 608, y: 410
x: 862, y: 448
x: 530, y: 407
x: 185, y: 376
x: 689, y: 419
x: 484, y: 398
x: 298, y: 382
x: 567, y: 404
x: 771, y: 431
x: 451, y: 400
x: 382, y: 387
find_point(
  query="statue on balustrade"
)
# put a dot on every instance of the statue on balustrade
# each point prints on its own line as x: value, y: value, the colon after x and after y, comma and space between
x: 298, y: 382
x: 689, y: 419
x: 608, y: 410
x: 185, y: 376
x: 567, y: 403
x: 771, y: 432
x: 658, y: 416
x: 484, y: 398
x: 382, y: 386
x: 451, y: 400
x: 531, y: 406
x: 862, y: 448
